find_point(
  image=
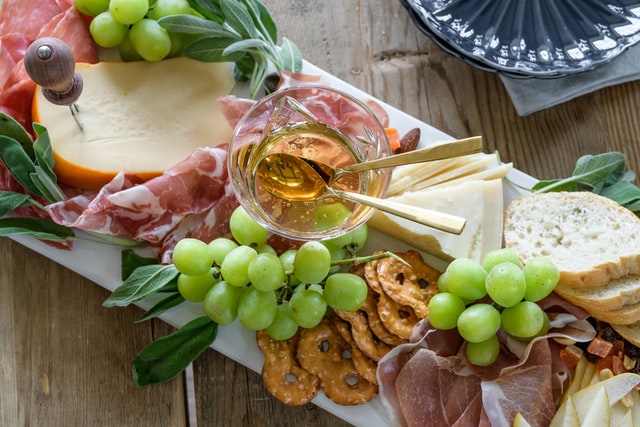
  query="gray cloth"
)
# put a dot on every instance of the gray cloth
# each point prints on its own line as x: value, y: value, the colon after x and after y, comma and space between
x: 531, y: 95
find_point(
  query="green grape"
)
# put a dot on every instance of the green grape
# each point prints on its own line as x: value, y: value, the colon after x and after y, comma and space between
x: 127, y: 52
x: 283, y: 326
x: 499, y: 256
x: 245, y: 229
x: 257, y: 309
x: 541, y: 276
x: 345, y: 291
x: 483, y: 353
x: 505, y: 284
x: 466, y: 279
x: 339, y: 242
x: 150, y: 40
x: 330, y: 215
x: 235, y: 267
x: 169, y: 7
x: 192, y: 257
x: 337, y: 254
x: 444, y: 310
x: 91, y: 7
x: 220, y: 247
x: 524, y: 320
x: 128, y: 12
x: 266, y: 248
x: 106, y: 31
x: 287, y: 258
x: 478, y: 322
x: 195, y: 288
x: 359, y: 238
x: 312, y: 262
x: 442, y: 282
x: 221, y: 302
x: 316, y: 287
x: 266, y: 272
x: 307, y: 307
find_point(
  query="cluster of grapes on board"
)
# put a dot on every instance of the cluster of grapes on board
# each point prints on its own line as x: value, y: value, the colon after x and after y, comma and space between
x: 244, y: 278
x: 479, y: 299
x: 132, y: 26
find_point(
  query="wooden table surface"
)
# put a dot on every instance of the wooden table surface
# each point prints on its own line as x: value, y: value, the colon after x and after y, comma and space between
x: 65, y: 360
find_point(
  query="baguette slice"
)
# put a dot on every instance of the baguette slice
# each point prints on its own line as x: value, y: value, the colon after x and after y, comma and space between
x: 591, y: 239
x: 612, y: 296
x: 625, y: 315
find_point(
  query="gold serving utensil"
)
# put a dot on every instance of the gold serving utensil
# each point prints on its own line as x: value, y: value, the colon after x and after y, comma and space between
x: 291, y: 178
x: 438, y: 151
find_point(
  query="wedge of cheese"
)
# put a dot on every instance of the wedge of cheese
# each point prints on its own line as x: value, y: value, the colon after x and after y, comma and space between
x: 479, y: 201
x: 139, y: 117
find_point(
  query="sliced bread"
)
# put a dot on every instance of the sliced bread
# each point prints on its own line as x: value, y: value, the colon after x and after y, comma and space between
x: 612, y: 296
x: 625, y: 315
x: 590, y: 238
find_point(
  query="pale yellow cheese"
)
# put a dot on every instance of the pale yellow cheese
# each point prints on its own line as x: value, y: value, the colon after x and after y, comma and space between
x: 480, y: 202
x: 140, y: 117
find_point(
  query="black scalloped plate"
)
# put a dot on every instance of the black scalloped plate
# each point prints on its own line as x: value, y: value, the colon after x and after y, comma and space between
x: 530, y: 38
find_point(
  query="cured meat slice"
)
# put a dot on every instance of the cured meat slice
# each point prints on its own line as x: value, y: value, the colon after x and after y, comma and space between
x: 190, y: 198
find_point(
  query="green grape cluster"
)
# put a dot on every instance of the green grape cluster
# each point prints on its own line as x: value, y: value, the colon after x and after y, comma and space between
x: 479, y: 299
x: 244, y: 278
x: 132, y: 26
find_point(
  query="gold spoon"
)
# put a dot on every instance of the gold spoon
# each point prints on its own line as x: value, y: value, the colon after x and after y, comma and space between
x: 291, y: 178
x: 438, y: 151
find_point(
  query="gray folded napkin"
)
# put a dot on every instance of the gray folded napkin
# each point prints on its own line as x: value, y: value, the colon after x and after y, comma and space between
x: 531, y: 95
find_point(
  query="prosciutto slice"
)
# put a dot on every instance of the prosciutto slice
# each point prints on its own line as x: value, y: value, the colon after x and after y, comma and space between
x: 429, y: 383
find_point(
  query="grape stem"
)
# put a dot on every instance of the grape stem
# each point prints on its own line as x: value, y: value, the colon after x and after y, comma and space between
x: 365, y: 259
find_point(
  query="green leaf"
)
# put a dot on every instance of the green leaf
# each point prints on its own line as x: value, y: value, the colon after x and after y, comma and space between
x: 39, y: 228
x: 189, y: 24
x: 291, y: 56
x: 12, y: 129
x: 10, y: 200
x: 237, y: 17
x: 590, y: 171
x: 48, y: 187
x: 166, y: 357
x: 18, y: 163
x: 143, y: 282
x: 244, y: 45
x: 43, y: 151
x: 129, y: 261
x: 210, y: 9
x: 164, y: 305
x: 210, y: 50
x: 623, y: 192
x: 258, y: 77
x: 262, y: 20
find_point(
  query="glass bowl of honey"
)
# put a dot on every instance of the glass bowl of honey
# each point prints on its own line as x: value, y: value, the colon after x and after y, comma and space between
x: 282, y: 149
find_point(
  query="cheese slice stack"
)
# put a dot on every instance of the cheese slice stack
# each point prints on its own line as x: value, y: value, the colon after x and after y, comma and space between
x: 139, y: 117
x: 479, y: 201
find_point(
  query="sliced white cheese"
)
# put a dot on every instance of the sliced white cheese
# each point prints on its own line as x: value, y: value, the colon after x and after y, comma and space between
x: 139, y: 117
x: 479, y: 201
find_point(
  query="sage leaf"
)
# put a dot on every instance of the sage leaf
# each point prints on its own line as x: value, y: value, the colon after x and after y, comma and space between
x: 18, y: 163
x: 43, y: 152
x: 39, y: 228
x: 12, y: 129
x: 210, y: 9
x: 258, y: 77
x: 623, y: 192
x: 263, y: 20
x: 130, y: 261
x: 291, y: 56
x: 47, y: 186
x: 143, y: 282
x: 237, y: 17
x: 166, y: 357
x: 10, y: 200
x: 244, y: 45
x: 189, y: 24
x: 166, y: 304
x: 209, y: 49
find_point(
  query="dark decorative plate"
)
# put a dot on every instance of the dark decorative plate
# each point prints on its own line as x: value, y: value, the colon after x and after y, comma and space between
x: 534, y: 38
